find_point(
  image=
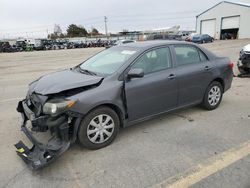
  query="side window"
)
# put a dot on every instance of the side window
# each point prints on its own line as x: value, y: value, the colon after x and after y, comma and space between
x: 203, y: 57
x: 186, y: 55
x: 154, y: 60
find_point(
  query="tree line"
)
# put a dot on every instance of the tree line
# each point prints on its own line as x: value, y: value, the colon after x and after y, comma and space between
x: 73, y: 30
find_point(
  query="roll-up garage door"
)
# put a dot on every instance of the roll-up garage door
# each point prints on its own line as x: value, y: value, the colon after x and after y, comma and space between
x: 231, y: 22
x: 208, y: 27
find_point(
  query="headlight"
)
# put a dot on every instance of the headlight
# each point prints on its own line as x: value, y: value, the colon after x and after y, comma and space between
x: 57, y: 106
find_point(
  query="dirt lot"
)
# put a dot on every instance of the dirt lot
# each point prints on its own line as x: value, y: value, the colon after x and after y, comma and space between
x: 191, y: 147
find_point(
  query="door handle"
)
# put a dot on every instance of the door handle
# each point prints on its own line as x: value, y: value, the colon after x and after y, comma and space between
x: 207, y: 67
x: 171, y: 76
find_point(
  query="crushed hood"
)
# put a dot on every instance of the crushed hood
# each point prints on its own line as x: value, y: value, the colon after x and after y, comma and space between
x: 61, y: 81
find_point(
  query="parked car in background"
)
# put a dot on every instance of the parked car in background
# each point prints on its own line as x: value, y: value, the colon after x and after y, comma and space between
x: 226, y: 36
x: 185, y: 35
x: 6, y: 47
x: 125, y: 41
x: 203, y: 38
x: 121, y: 42
x: 190, y: 37
x: 118, y: 87
x: 58, y: 45
x: 21, y: 43
x: 47, y: 44
x: 164, y: 36
x: 244, y: 60
x: 1, y: 46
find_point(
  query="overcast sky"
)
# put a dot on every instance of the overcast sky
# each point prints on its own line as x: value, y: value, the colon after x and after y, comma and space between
x: 33, y: 18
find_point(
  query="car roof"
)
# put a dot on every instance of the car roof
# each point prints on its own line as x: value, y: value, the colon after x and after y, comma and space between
x: 145, y: 45
x: 153, y: 43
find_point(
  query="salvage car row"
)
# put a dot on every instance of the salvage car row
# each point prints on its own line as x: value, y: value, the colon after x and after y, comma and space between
x: 46, y: 44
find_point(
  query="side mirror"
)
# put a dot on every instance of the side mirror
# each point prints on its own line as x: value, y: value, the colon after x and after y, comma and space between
x: 135, y: 73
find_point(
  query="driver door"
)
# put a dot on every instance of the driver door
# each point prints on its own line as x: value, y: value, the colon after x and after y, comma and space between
x: 156, y: 92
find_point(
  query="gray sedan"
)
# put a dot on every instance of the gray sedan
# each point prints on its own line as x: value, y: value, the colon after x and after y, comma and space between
x: 116, y: 88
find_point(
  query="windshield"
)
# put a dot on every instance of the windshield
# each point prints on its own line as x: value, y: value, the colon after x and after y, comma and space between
x: 108, y: 61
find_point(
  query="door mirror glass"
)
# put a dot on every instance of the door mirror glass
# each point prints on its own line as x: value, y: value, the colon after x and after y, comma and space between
x: 135, y: 73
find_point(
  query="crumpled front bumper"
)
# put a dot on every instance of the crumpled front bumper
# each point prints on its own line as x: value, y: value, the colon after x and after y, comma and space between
x: 244, y: 67
x: 39, y: 155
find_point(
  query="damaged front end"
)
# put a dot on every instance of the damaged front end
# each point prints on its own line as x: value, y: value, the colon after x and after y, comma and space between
x: 46, y: 115
x: 244, y: 61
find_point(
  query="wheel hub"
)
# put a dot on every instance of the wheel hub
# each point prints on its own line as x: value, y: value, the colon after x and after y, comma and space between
x: 100, y: 128
x: 214, y: 95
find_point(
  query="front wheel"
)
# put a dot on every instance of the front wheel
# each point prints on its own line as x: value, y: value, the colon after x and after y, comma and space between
x: 99, y: 128
x: 213, y: 96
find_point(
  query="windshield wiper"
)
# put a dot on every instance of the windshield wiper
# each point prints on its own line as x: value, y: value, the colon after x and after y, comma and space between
x: 86, y: 71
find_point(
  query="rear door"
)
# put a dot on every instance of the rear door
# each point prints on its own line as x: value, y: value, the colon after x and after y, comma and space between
x: 194, y: 72
x: 156, y: 92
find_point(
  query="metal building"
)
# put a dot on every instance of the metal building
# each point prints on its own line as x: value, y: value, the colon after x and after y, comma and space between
x: 225, y: 19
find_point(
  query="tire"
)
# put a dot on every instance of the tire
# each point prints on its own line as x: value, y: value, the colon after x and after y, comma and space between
x: 213, y: 96
x: 92, y: 135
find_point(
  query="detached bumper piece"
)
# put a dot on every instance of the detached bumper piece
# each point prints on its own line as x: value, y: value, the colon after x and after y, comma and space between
x: 39, y: 155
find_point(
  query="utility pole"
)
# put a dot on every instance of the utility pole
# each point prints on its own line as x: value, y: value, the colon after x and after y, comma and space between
x: 106, y: 29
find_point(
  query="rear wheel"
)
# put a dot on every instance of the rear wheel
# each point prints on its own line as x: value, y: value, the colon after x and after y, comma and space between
x: 99, y: 128
x: 213, y: 96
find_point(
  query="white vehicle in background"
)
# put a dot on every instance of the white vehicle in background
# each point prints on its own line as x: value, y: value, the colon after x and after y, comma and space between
x: 190, y: 37
x: 120, y: 42
x: 184, y: 34
x: 244, y: 61
x: 125, y: 41
x: 36, y: 43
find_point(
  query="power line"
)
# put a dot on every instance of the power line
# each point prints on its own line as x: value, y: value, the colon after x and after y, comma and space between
x: 145, y: 19
x: 114, y: 20
x: 91, y: 20
x: 193, y: 12
x: 119, y: 19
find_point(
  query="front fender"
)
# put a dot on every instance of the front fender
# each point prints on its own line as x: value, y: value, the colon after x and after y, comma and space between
x: 108, y: 93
